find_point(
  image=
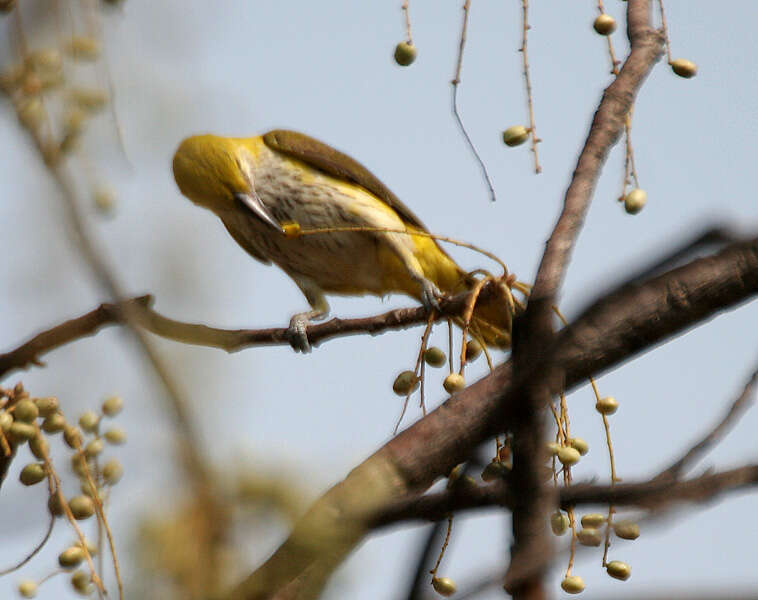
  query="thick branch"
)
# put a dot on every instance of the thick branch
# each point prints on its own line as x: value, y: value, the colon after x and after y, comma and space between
x: 651, y: 494
x: 632, y: 319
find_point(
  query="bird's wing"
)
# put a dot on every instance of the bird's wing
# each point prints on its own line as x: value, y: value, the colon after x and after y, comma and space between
x: 333, y: 162
x: 246, y: 245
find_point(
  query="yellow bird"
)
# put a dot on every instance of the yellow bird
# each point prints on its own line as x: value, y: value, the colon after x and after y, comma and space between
x: 258, y: 185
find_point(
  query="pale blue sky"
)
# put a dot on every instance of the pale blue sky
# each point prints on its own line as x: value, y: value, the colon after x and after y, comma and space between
x: 325, y: 68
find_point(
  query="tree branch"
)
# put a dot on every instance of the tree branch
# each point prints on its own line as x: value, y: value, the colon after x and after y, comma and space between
x: 613, y: 329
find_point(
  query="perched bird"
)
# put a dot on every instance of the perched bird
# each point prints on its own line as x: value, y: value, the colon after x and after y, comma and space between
x: 258, y: 185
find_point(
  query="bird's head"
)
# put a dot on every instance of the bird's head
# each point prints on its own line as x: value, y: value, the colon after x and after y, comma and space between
x: 217, y: 173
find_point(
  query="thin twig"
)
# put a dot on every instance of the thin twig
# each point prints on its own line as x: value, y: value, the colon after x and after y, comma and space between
x: 528, y: 83
x: 455, y: 82
x: 407, y: 16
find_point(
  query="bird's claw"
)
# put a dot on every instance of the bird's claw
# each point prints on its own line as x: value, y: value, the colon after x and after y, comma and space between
x: 297, y: 334
x: 430, y: 296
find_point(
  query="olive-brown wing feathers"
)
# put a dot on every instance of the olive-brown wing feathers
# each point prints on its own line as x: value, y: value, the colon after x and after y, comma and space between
x: 333, y: 162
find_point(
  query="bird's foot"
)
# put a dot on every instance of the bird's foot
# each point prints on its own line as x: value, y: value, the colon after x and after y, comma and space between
x: 430, y: 295
x: 297, y: 333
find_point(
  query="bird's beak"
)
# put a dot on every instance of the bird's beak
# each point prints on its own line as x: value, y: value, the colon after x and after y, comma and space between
x: 254, y: 204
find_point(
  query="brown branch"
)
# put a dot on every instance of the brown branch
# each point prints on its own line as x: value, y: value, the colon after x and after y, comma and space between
x: 532, y: 359
x: 613, y: 329
x: 230, y: 340
x: 650, y: 494
x: 738, y: 407
x: 88, y: 324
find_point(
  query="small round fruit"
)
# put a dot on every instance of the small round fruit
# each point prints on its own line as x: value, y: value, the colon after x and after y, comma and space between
x: 607, y: 405
x: 39, y: 447
x: 618, y: 570
x: 54, y: 423
x: 473, y: 350
x: 515, y: 135
x: 54, y: 505
x: 82, y: 507
x: 27, y: 589
x: 684, y: 68
x: 115, y: 436
x: 589, y: 536
x: 71, y: 557
x: 435, y: 357
x: 6, y: 420
x: 22, y: 432
x: 568, y: 456
x: 81, y: 582
x: 444, y: 586
x: 559, y: 522
x: 112, y: 406
x: 580, y: 445
x: 26, y: 411
x: 454, y: 383
x: 627, y: 530
x: 635, y: 201
x: 572, y: 584
x: 72, y: 436
x: 32, y: 473
x: 405, y: 383
x: 89, y: 420
x: 605, y: 24
x: 94, y: 447
x: 553, y: 448
x: 112, y: 471
x: 46, y: 406
x: 593, y: 520
x: 405, y: 54
x: 494, y: 470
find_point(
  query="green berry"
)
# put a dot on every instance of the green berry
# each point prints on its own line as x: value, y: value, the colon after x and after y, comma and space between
x: 46, y: 406
x: 454, y: 383
x: 580, y: 445
x: 559, y: 522
x: 22, y: 432
x: 635, y: 201
x: 71, y: 557
x: 112, y: 471
x: 627, y: 530
x: 473, y: 350
x: 115, y: 436
x: 405, y: 54
x: 607, y: 405
x: 405, y: 383
x: 82, y: 507
x: 32, y: 473
x: 89, y: 421
x: 81, y: 582
x: 53, y: 423
x: 112, y: 406
x: 593, y: 520
x: 444, y: 586
x: 618, y: 570
x: 605, y: 24
x: 435, y: 357
x: 515, y: 135
x: 568, y: 456
x: 572, y: 584
x: 684, y: 68
x: 589, y: 536
x: 26, y: 411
